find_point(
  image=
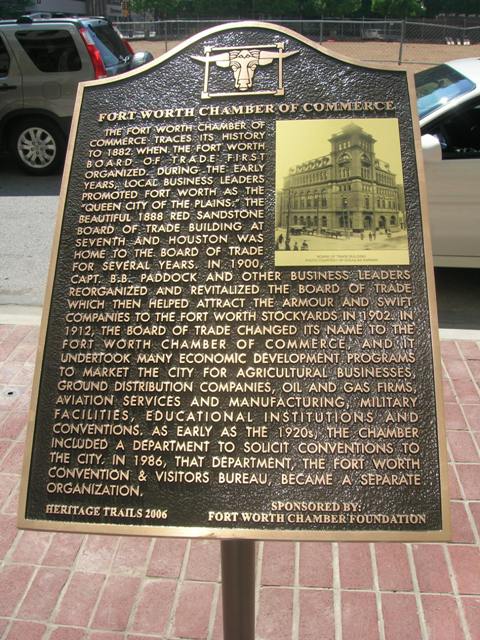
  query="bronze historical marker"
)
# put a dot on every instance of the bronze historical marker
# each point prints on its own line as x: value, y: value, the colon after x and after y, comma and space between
x: 241, y: 338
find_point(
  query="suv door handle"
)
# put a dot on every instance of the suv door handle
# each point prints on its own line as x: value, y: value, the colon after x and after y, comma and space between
x: 7, y: 87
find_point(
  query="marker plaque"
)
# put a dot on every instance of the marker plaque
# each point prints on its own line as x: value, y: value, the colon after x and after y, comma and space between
x: 240, y: 337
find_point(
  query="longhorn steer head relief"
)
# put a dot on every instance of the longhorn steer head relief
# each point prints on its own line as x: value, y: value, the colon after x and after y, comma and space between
x: 243, y: 63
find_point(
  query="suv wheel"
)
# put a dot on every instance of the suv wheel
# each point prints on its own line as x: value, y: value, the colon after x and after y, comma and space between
x: 38, y: 145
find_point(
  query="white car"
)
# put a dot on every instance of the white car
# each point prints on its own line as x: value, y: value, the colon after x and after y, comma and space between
x: 372, y: 34
x: 448, y: 100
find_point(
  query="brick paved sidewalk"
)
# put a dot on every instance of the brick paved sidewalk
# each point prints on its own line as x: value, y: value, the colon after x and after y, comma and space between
x: 75, y: 587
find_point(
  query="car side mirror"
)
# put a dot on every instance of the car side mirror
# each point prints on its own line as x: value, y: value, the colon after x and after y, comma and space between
x: 431, y: 147
x: 140, y: 58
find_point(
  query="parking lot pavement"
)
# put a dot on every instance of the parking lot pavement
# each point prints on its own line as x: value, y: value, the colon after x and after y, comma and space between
x: 27, y: 218
x: 60, y: 586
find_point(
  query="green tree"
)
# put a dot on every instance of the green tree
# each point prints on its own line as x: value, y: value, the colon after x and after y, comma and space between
x: 249, y: 9
x: 461, y: 6
x: 277, y: 8
x: 13, y: 8
x: 338, y: 8
x: 434, y: 7
x: 159, y: 8
x: 366, y: 7
x: 398, y: 8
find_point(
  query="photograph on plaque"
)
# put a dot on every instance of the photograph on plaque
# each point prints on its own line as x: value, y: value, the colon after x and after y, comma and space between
x: 339, y: 193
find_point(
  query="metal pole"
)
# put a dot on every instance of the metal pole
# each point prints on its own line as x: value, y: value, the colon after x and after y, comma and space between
x: 402, y: 38
x: 238, y: 589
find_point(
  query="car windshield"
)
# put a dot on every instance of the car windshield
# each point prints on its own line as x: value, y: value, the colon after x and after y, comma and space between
x: 437, y: 86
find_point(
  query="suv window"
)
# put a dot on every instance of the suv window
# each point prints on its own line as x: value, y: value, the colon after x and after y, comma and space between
x: 109, y: 44
x: 4, y: 59
x: 50, y: 51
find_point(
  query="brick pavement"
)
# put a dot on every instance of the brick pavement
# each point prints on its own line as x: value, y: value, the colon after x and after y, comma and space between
x: 58, y: 586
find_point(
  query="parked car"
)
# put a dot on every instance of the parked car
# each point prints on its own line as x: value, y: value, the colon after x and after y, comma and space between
x: 41, y: 63
x: 448, y: 100
x: 372, y: 34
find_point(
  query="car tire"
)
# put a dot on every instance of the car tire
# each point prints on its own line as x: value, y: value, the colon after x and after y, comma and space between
x: 38, y: 146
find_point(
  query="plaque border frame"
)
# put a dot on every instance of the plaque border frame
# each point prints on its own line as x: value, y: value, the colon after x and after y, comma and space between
x: 225, y: 533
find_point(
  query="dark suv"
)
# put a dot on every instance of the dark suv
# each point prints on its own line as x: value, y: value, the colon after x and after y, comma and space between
x: 41, y: 63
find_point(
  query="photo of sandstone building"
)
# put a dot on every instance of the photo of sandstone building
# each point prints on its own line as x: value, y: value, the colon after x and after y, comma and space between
x: 348, y: 199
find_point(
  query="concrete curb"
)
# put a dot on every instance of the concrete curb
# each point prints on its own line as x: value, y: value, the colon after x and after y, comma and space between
x: 19, y: 314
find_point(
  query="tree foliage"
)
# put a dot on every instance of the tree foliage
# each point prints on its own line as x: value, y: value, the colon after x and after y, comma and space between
x: 290, y: 8
x: 434, y: 7
x: 158, y: 8
x: 252, y: 9
x: 13, y: 8
x: 398, y: 8
x: 339, y: 8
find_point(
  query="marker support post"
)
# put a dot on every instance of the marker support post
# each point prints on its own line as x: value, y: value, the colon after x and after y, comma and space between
x: 238, y: 589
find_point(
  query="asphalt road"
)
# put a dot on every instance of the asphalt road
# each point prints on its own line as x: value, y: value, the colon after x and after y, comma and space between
x: 28, y: 209
x: 27, y: 217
